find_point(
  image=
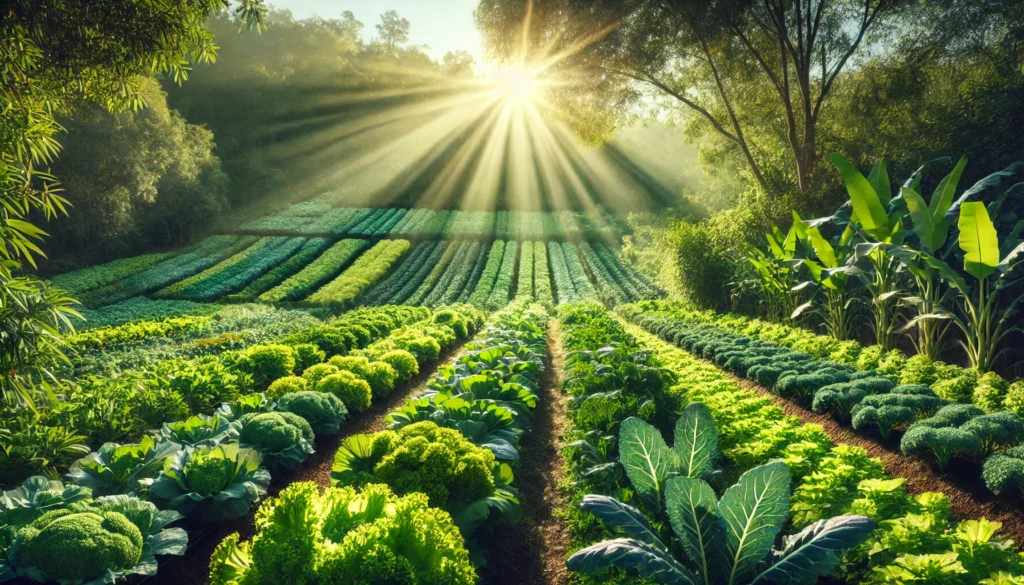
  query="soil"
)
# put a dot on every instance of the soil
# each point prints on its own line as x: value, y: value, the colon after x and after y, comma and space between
x: 533, y: 551
x: 961, y: 482
x: 193, y: 567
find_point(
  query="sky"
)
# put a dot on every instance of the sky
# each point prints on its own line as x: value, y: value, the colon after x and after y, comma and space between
x: 443, y: 25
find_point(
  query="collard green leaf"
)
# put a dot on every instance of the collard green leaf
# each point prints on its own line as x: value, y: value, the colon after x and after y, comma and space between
x: 646, y: 459
x: 623, y: 516
x: 626, y: 553
x: 815, y: 551
x: 696, y: 440
x: 750, y: 515
x: 692, y: 509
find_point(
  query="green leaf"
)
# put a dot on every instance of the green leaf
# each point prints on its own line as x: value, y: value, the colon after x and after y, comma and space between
x: 822, y: 248
x: 750, y: 515
x: 646, y: 459
x: 942, y: 198
x: 879, y: 179
x: 978, y: 240
x: 692, y: 510
x: 815, y: 551
x: 866, y: 202
x: 626, y: 553
x: 696, y: 440
x: 924, y: 224
x: 622, y: 516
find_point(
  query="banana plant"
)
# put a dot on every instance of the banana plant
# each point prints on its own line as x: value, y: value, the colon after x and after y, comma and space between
x: 932, y: 222
x: 877, y: 217
x: 774, y: 274
x: 727, y: 541
x: 829, y: 274
x: 982, y: 319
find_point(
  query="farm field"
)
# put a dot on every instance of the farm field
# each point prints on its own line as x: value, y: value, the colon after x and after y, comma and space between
x: 511, y: 293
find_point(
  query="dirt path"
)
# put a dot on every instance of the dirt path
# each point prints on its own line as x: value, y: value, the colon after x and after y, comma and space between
x: 533, y: 551
x: 193, y: 567
x: 962, y: 484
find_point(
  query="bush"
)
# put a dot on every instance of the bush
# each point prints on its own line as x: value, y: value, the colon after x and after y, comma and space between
x: 268, y: 362
x: 1005, y: 471
x: 919, y: 369
x: 957, y: 388
x: 324, y: 412
x: 1014, y: 401
x: 869, y: 357
x: 285, y: 385
x: 353, y: 391
x: 403, y: 362
x: 317, y: 372
x: 78, y: 546
x: 284, y: 439
x: 307, y: 354
x: 375, y: 536
x: 990, y: 392
x: 704, y: 268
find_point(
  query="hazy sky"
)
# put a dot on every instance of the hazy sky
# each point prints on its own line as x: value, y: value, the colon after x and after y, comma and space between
x: 443, y: 25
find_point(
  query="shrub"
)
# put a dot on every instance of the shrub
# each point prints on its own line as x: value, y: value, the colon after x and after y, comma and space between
x: 353, y: 391
x: 1005, y: 471
x: 375, y: 537
x: 324, y: 412
x: 285, y: 385
x: 869, y: 358
x: 403, y: 362
x: 77, y: 546
x: 919, y: 369
x: 317, y: 372
x: 284, y: 439
x: 1014, y: 401
x: 990, y: 392
x: 307, y: 354
x: 956, y: 388
x: 704, y: 268
x: 268, y: 362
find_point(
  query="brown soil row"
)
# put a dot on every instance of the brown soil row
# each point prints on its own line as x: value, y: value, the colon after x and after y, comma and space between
x: 961, y: 483
x: 533, y: 551
x: 193, y: 567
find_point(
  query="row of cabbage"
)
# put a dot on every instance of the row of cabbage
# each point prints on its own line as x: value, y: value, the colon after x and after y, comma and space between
x: 81, y: 414
x: 893, y: 399
x: 111, y: 518
x: 403, y: 500
x: 679, y: 522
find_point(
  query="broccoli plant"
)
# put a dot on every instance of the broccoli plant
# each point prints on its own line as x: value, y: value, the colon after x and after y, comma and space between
x: 121, y: 469
x: 324, y: 412
x: 942, y: 436
x: 727, y: 541
x: 282, y: 438
x: 213, y: 483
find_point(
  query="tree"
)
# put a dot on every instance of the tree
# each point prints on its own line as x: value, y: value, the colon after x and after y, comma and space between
x: 393, y: 29
x: 55, y: 55
x: 458, y: 64
x: 735, y: 66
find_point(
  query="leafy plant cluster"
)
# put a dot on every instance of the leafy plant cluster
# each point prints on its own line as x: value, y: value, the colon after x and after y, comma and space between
x: 101, y: 337
x: 542, y: 275
x: 327, y: 266
x: 524, y: 285
x: 501, y: 290
x: 485, y: 284
x: 405, y: 280
x: 365, y: 271
x: 84, y: 280
x: 564, y: 291
x: 456, y: 275
x: 310, y: 250
x: 322, y: 223
x: 378, y: 223
x: 140, y: 309
x: 429, y: 283
x: 580, y: 281
x: 915, y: 539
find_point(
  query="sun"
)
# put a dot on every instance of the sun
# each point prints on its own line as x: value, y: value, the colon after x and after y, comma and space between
x: 518, y: 85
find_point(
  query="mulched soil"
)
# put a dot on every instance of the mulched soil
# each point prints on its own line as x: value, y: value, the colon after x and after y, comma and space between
x: 193, y: 568
x: 533, y: 551
x: 961, y: 482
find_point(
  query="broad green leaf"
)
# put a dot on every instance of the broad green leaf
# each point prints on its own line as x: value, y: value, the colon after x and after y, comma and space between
x: 815, y: 551
x: 978, y: 240
x: 622, y: 516
x: 646, y: 459
x: 924, y: 225
x: 696, y: 440
x: 822, y: 248
x: 750, y: 515
x: 879, y: 179
x: 799, y: 227
x: 626, y: 553
x: 692, y: 510
x: 942, y: 198
x: 867, y: 206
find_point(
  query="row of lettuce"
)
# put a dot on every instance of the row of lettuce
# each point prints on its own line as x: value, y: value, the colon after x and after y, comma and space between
x: 939, y: 412
x: 843, y: 517
x: 406, y: 502
x: 316, y: 272
x: 319, y: 218
x: 112, y: 516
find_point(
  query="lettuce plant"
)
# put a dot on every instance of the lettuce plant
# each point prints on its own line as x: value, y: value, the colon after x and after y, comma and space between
x: 198, y: 431
x: 214, y: 483
x: 121, y: 469
x: 482, y: 422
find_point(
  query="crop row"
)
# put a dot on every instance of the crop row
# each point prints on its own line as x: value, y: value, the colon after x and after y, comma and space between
x: 627, y: 395
x: 608, y: 288
x: 887, y: 401
x: 565, y: 292
x: 623, y: 282
x: 315, y: 274
x: 178, y: 267
x: 331, y: 221
x: 524, y: 287
x: 584, y: 289
x: 365, y: 271
x: 502, y: 288
x: 387, y: 290
x: 310, y: 250
x: 437, y: 270
x: 97, y: 409
x: 87, y: 279
x: 449, y: 285
x: 207, y: 468
x: 139, y: 309
x: 541, y: 275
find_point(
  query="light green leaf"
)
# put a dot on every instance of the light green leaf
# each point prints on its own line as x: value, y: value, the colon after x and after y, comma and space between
x: 696, y: 440
x: 692, y: 510
x: 924, y: 224
x: 978, y: 240
x: 867, y: 205
x: 750, y: 515
x: 646, y: 459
